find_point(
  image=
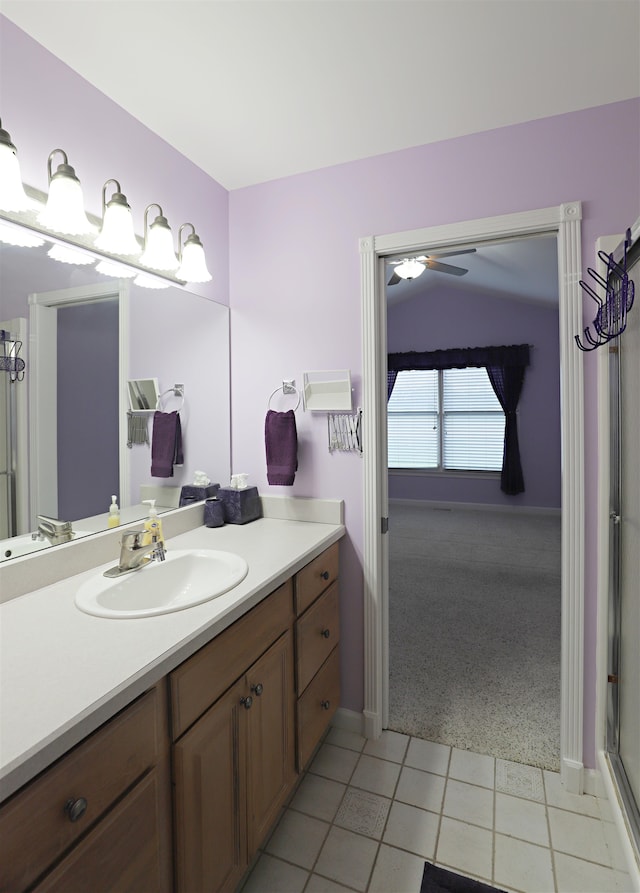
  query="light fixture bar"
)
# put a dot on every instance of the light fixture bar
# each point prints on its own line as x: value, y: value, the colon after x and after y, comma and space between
x: 28, y: 220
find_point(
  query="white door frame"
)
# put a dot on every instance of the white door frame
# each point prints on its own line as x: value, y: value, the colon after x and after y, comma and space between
x: 43, y: 408
x: 564, y: 221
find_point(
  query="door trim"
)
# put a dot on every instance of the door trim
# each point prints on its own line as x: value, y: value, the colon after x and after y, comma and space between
x: 565, y: 221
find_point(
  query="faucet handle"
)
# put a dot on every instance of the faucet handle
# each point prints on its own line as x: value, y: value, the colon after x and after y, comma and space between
x: 131, y: 539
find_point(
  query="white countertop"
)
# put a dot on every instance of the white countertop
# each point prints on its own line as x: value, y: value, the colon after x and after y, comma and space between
x: 63, y: 672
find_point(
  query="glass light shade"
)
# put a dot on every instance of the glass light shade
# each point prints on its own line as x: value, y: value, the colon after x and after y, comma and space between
x: 12, y: 194
x: 410, y: 269
x: 115, y: 270
x: 64, y: 211
x: 150, y: 282
x: 117, y: 235
x: 194, y: 264
x: 17, y: 235
x: 158, y: 252
x: 70, y: 256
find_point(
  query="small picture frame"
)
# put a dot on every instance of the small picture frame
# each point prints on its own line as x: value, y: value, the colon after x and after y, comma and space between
x: 143, y: 394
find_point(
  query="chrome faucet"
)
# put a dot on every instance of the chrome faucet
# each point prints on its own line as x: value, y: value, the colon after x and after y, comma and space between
x: 133, y: 555
x: 54, y: 530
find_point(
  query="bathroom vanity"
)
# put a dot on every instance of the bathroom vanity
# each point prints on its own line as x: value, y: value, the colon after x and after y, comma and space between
x: 157, y: 754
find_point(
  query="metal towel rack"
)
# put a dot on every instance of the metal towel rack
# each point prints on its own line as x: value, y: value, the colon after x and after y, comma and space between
x: 287, y: 387
x: 611, y: 318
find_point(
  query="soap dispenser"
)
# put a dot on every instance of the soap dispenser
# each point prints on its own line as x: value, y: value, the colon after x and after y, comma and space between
x: 114, y: 514
x: 153, y: 525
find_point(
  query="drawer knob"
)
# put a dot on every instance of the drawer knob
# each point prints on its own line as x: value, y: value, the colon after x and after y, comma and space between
x: 75, y: 809
x: 325, y: 705
x: 257, y: 689
x: 325, y: 575
x: 325, y: 633
x: 247, y: 702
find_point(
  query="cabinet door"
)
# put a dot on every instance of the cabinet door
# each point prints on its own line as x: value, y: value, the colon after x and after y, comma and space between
x: 209, y: 799
x: 270, y: 737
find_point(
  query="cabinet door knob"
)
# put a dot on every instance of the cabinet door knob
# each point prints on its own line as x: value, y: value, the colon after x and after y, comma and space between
x: 75, y: 809
x: 325, y: 575
x: 257, y: 689
x: 325, y: 633
x: 247, y: 702
x: 325, y: 705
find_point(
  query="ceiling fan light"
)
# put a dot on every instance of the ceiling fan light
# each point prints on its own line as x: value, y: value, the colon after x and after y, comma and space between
x: 117, y: 235
x: 410, y: 269
x: 193, y: 267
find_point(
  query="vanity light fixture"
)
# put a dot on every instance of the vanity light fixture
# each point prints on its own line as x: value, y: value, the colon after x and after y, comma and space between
x: 158, y: 251
x: 12, y: 194
x: 117, y: 235
x: 19, y: 236
x: 68, y: 255
x: 145, y: 280
x: 116, y: 270
x: 64, y: 211
x: 409, y: 269
x: 193, y: 264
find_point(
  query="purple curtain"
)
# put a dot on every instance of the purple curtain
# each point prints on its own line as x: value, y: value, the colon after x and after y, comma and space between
x: 505, y: 367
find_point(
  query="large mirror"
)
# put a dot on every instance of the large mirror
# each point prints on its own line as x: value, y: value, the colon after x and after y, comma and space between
x: 70, y: 438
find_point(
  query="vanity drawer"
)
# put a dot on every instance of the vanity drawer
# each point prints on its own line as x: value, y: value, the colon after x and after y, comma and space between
x: 35, y: 824
x: 317, y: 705
x: 202, y: 679
x: 315, y: 577
x: 317, y: 634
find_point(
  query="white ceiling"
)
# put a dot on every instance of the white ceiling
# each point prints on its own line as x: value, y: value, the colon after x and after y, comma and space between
x: 252, y: 91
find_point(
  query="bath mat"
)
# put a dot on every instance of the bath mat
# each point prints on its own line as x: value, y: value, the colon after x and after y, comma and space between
x: 439, y: 880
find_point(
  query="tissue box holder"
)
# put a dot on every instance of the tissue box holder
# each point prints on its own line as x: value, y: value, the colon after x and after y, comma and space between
x: 240, y: 506
x: 190, y: 493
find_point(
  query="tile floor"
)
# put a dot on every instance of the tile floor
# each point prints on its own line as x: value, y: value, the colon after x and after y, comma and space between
x: 368, y: 813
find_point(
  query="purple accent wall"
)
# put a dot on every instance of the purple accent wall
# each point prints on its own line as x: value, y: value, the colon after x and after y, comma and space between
x: 88, y: 471
x: 292, y: 247
x: 296, y: 303
x: 455, y: 317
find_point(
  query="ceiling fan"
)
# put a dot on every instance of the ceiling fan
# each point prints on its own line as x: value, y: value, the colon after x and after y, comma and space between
x: 412, y: 267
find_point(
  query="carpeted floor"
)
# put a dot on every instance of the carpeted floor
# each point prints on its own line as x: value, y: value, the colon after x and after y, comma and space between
x: 474, y: 630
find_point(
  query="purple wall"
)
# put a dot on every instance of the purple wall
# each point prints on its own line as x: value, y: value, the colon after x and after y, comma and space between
x: 296, y: 304
x: 474, y: 320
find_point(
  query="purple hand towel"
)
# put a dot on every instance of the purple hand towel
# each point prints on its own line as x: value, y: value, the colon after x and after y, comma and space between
x: 281, y: 441
x: 166, y: 444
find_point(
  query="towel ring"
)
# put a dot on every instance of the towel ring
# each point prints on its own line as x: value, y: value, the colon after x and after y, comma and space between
x: 177, y: 391
x: 281, y: 388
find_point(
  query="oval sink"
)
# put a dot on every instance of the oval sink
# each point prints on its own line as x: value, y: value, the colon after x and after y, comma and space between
x: 185, y: 578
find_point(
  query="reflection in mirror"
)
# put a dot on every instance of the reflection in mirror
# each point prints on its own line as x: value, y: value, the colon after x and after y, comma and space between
x: 76, y: 454
x: 143, y: 394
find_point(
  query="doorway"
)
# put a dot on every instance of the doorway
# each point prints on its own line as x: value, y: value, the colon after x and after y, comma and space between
x: 564, y: 220
x: 474, y: 561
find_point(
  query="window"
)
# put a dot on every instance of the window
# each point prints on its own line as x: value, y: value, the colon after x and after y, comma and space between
x: 448, y: 419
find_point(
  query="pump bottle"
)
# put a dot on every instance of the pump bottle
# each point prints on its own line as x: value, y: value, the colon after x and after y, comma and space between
x: 114, y: 514
x: 153, y: 525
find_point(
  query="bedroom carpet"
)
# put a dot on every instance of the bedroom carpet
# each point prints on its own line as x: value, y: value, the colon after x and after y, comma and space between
x: 474, y: 630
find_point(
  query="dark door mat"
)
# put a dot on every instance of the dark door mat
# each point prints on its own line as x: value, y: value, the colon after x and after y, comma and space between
x: 439, y: 880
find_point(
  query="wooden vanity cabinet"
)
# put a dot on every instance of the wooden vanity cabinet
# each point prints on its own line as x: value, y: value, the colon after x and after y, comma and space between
x: 100, y: 818
x: 235, y: 765
x: 317, y: 633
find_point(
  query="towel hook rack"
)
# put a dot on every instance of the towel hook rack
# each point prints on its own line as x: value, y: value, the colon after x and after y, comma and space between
x: 177, y: 390
x: 287, y: 387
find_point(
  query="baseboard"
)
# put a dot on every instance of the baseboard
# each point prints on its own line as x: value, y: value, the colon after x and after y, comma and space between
x: 348, y: 720
x: 479, y: 507
x: 631, y: 853
x: 593, y: 783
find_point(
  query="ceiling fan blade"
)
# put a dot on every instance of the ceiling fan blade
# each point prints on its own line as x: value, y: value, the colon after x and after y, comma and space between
x: 394, y: 279
x: 438, y: 254
x: 445, y: 268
